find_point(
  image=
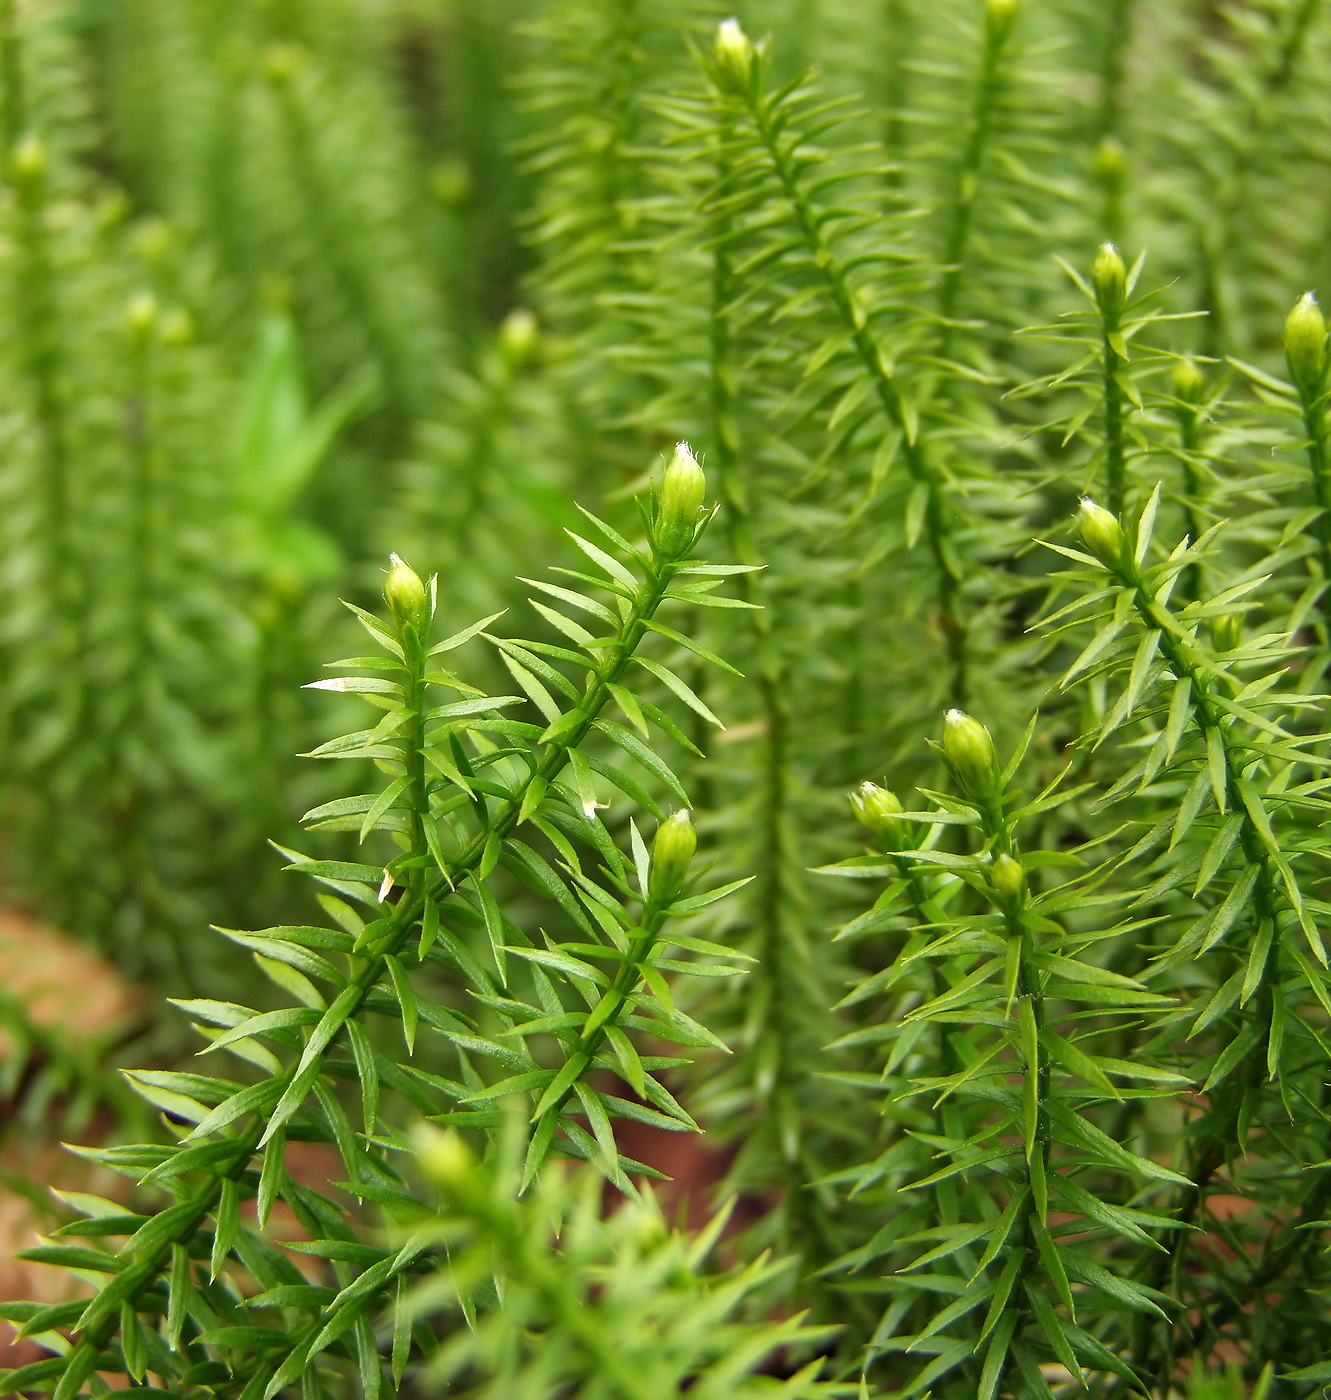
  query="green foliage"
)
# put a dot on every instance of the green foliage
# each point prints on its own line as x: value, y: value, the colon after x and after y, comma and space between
x: 1027, y: 1091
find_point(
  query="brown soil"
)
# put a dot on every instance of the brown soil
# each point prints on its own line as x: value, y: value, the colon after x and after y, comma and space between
x: 64, y: 987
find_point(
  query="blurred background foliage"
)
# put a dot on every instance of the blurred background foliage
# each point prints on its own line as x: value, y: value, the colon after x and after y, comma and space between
x: 291, y: 283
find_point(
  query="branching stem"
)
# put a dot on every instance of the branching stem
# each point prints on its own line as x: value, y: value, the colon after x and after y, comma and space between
x: 99, y: 1324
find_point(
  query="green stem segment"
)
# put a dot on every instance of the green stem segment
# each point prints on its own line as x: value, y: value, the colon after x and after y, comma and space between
x: 779, y: 996
x: 1113, y: 364
x: 988, y: 88
x: 767, y: 117
x: 1033, y: 1240
x: 1313, y: 401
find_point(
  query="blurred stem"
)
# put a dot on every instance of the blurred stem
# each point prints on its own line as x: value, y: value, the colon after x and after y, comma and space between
x: 142, y: 541
x: 41, y: 353
x: 1226, y: 209
x: 12, y: 113
x: 1118, y: 38
x: 899, y: 24
x: 766, y: 113
x: 776, y: 1003
x: 966, y: 190
x: 326, y: 213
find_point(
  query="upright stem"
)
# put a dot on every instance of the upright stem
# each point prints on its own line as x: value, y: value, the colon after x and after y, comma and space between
x: 12, y: 110
x: 1220, y: 1134
x: 1190, y: 431
x: 1112, y: 365
x: 938, y: 513
x: 133, y: 800
x: 327, y: 212
x: 1037, y: 1074
x: 1319, y: 469
x: 1118, y: 35
x: 899, y: 26
x: 41, y: 350
x: 967, y: 186
x: 778, y: 1003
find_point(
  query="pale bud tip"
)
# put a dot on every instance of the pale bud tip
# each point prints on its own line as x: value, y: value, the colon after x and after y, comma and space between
x: 733, y: 54
x: 1305, y: 342
x: 683, y: 490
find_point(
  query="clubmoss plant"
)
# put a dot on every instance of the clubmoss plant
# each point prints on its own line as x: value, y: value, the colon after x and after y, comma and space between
x: 1018, y: 1060
x: 464, y: 781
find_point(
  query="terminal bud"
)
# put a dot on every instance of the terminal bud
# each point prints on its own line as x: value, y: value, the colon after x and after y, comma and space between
x: 970, y: 751
x: 672, y: 854
x: 444, y: 1157
x: 517, y: 338
x: 1188, y: 382
x: 1102, y: 535
x: 682, y: 491
x: 1008, y: 878
x: 1305, y: 343
x: 999, y: 17
x: 733, y: 54
x: 1227, y: 631
x: 406, y: 594
x: 28, y: 162
x: 879, y: 809
x: 141, y: 316
x: 1111, y: 161
x: 1110, y: 279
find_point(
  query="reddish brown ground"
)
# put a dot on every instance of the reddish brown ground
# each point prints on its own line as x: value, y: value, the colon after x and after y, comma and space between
x: 66, y: 987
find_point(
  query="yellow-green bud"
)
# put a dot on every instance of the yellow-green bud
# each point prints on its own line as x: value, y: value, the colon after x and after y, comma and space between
x: 177, y: 327
x: 444, y: 1157
x: 517, y: 337
x: 879, y: 809
x: 682, y: 490
x: 154, y: 240
x: 649, y: 1230
x: 1110, y: 279
x: 111, y: 210
x: 141, y: 316
x: 672, y: 853
x: 452, y: 183
x: 1008, y: 878
x: 1188, y: 381
x: 733, y: 54
x: 281, y: 62
x: 28, y: 163
x: 1227, y: 631
x: 405, y: 594
x: 999, y: 17
x: 1305, y: 343
x: 1111, y: 161
x: 970, y: 751
x: 1102, y: 535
